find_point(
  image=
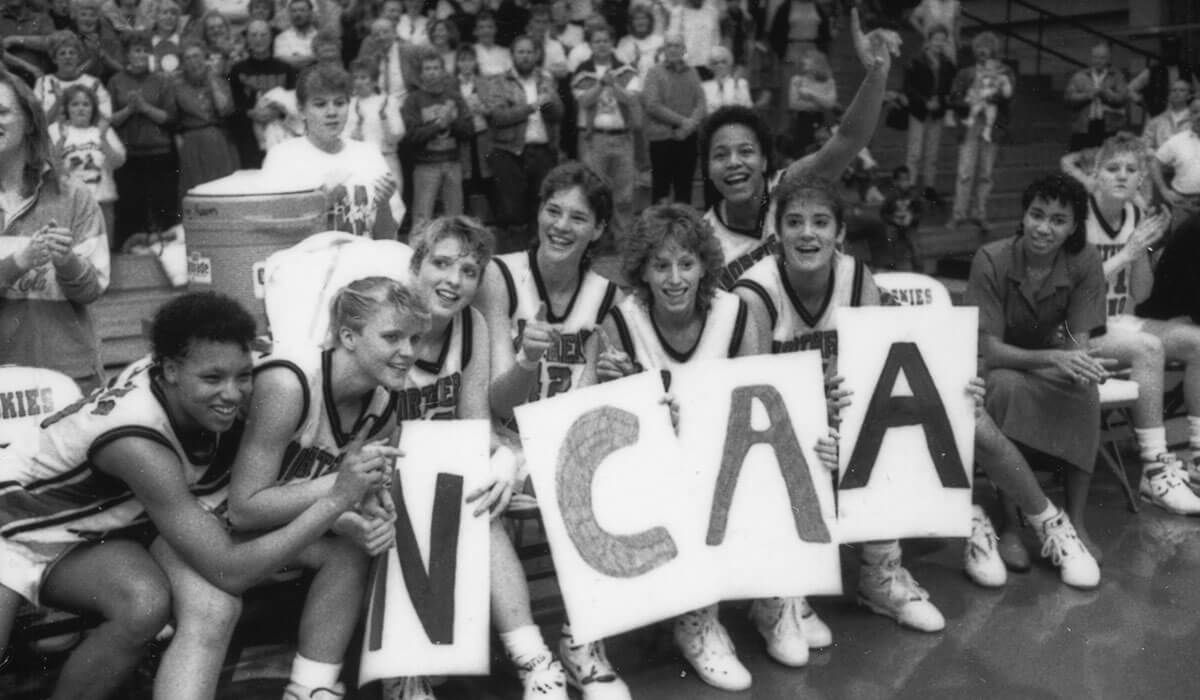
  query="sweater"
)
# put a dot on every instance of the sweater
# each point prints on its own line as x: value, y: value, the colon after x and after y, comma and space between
x: 670, y: 96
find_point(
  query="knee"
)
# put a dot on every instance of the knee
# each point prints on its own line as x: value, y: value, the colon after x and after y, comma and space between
x: 208, y: 608
x: 140, y: 607
x: 1149, y: 350
x: 347, y: 559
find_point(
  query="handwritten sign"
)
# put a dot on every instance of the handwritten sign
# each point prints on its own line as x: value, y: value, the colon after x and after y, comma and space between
x: 907, y: 438
x: 428, y: 605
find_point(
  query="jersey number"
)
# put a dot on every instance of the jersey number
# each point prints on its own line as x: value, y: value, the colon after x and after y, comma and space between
x: 559, y: 381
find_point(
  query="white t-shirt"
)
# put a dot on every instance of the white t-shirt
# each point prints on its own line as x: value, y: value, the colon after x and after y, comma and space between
x: 1182, y: 152
x: 294, y: 48
x: 413, y: 30
x: 535, y: 128
x: 85, y: 162
x: 642, y: 53
x: 347, y: 176
x: 493, y: 60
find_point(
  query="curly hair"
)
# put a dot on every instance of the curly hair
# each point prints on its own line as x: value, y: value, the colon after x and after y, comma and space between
x: 662, y: 224
x: 475, y: 237
x: 210, y: 316
x: 69, y: 93
x: 735, y: 114
x: 1062, y: 188
x: 1120, y: 144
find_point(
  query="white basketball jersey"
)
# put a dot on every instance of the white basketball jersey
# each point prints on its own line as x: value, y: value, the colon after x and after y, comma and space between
x: 1109, y: 242
x: 315, y: 447
x: 795, y: 327
x: 742, y: 249
x: 720, y: 337
x: 563, y: 364
x: 50, y: 491
x: 433, y: 389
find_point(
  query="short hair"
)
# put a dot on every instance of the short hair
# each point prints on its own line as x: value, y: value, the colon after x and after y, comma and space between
x: 642, y: 9
x: 598, y: 27
x: 986, y: 40
x: 136, y: 37
x: 596, y: 190
x: 322, y: 79
x: 63, y: 38
x: 684, y: 225
x: 194, y: 316
x: 719, y: 52
x: 71, y: 91
x: 1059, y: 187
x: 803, y: 186
x: 734, y: 114
x: 362, y: 64
x: 452, y: 36
x: 269, y: 4
x: 900, y: 170
x: 1120, y: 144
x: 426, y: 54
x: 94, y: 4
x: 537, y: 47
x: 306, y: 2
x: 355, y: 304
x: 475, y: 237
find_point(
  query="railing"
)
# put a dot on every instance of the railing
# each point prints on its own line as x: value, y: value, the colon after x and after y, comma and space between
x: 1008, y: 33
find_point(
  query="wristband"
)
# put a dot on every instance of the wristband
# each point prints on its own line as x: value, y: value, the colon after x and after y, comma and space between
x: 524, y: 362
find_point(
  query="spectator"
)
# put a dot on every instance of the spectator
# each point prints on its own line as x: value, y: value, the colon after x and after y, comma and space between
x: 327, y: 47
x: 1181, y: 156
x: 554, y: 54
x: 642, y: 46
x: 218, y: 36
x: 1100, y: 96
x: 263, y: 10
x: 375, y: 120
x: 474, y: 151
x: 101, y: 54
x: 250, y: 81
x: 512, y: 17
x: 977, y: 155
x: 436, y: 120
x: 675, y: 106
x: 167, y: 38
x: 699, y: 23
x: 940, y: 13
x: 583, y: 50
x: 67, y: 51
x: 148, y: 183
x: 24, y: 37
x: 126, y: 16
x: 562, y: 29
x: 491, y: 58
x: 87, y: 148
x: 724, y: 87
x: 1175, y: 119
x: 60, y: 13
x: 293, y: 46
x: 55, y: 259
x: 353, y: 174
x: 523, y: 112
x: 1158, y: 79
x: 605, y: 89
x: 812, y: 94
x: 203, y: 103
x: 443, y: 37
x: 383, y: 47
x: 413, y: 26
x: 927, y: 88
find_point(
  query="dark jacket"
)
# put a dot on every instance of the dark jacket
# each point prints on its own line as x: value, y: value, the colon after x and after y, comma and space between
x: 920, y: 85
x: 507, y: 109
x: 431, y: 143
x: 962, y: 85
x: 1154, y: 95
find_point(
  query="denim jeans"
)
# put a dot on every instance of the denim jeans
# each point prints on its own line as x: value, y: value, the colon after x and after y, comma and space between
x: 611, y: 155
x: 976, y: 160
x: 432, y: 181
x: 924, y: 137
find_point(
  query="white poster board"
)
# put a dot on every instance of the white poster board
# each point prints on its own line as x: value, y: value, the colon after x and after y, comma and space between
x: 748, y: 428
x: 908, y: 436
x: 428, y: 597
x: 612, y: 489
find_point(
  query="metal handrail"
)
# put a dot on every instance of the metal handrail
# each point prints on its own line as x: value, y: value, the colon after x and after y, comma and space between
x: 1038, y: 44
x: 1071, y: 21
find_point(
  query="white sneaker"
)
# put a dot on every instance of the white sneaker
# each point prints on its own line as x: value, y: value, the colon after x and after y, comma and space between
x: 589, y: 670
x: 787, y: 624
x: 1076, y: 565
x: 706, y: 645
x: 888, y: 589
x: 295, y: 691
x: 409, y: 688
x: 543, y: 678
x: 982, y: 560
x: 1163, y: 484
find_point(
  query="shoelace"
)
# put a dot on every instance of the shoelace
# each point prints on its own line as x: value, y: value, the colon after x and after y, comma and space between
x: 982, y: 530
x: 543, y: 674
x: 897, y: 580
x: 599, y: 670
x: 791, y: 611
x: 1171, y: 472
x: 1059, y: 541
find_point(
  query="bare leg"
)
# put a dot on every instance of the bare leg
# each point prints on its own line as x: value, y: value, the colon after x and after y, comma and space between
x: 334, y: 598
x: 1181, y: 343
x: 510, y: 591
x: 1144, y: 353
x: 1078, y: 484
x: 205, y: 618
x: 1006, y: 467
x: 121, y: 581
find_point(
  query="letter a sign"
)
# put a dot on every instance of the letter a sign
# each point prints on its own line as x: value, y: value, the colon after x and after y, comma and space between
x: 908, y: 436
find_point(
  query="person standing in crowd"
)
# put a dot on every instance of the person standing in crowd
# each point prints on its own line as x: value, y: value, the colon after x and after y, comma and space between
x: 940, y: 13
x: 976, y: 154
x: 327, y: 47
x: 101, y: 45
x: 492, y: 58
x: 148, y: 183
x: 54, y: 258
x: 436, y: 120
x: 523, y: 111
x: 699, y: 23
x: 25, y: 38
x: 293, y: 46
x: 167, y: 38
x: 1040, y: 295
x: 87, y: 149
x: 375, y: 120
x: 512, y: 19
x: 725, y: 87
x: 203, y: 103
x: 67, y: 51
x: 443, y: 37
x: 1099, y: 95
x: 562, y: 29
x: 219, y: 37
x: 1175, y: 118
x: 927, y: 83
x: 250, y: 80
x: 353, y: 174
x: 1180, y: 158
x: 475, y: 150
x: 413, y: 26
x: 605, y: 89
x: 642, y: 47
x: 1157, y: 81
x: 675, y: 105
x: 812, y: 95
x: 126, y: 16
x: 554, y: 54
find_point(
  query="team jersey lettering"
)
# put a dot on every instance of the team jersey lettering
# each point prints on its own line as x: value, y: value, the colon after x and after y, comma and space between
x: 1117, y: 298
x: 26, y: 402
x: 825, y: 341
x: 438, y: 400
x: 566, y: 349
x: 737, y: 267
x: 908, y: 297
x: 306, y: 462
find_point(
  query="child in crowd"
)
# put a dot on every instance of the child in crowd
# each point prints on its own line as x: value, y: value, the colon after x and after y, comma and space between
x: 67, y: 51
x: 989, y: 84
x: 437, y: 120
x: 375, y: 119
x: 88, y: 148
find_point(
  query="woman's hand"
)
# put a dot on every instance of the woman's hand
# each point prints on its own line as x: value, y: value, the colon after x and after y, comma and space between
x: 58, y: 241
x: 836, y: 398
x: 876, y: 48
x: 1080, y: 366
x: 374, y: 535
x: 536, y: 339
x: 34, y: 255
x: 977, y: 389
x: 1149, y: 232
x: 494, y: 497
x: 827, y: 449
x: 611, y: 363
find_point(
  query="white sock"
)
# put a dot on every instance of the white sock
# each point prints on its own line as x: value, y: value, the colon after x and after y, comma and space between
x: 1152, y: 442
x: 314, y: 674
x: 1037, y: 521
x: 524, y: 644
x: 1194, y: 432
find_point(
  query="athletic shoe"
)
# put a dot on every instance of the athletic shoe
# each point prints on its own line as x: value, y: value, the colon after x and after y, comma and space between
x: 295, y: 691
x: 706, y: 645
x: 1193, y: 471
x: 778, y: 621
x: 589, y: 670
x: 543, y: 678
x: 1163, y: 484
x: 982, y: 560
x: 1076, y: 565
x: 409, y: 688
x: 888, y: 589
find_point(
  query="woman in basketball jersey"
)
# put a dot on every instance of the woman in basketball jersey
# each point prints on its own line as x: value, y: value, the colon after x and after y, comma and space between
x: 1125, y: 236
x: 310, y: 405
x: 542, y: 307
x: 449, y: 380
x: 735, y: 148
x: 145, y: 460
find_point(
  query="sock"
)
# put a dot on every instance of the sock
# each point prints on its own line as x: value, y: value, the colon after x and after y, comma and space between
x: 876, y: 553
x: 1194, y: 432
x: 524, y: 644
x: 314, y: 674
x: 1037, y: 521
x: 1152, y: 442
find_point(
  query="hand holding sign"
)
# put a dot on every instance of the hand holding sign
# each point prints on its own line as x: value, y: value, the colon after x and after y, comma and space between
x: 612, y: 363
x: 364, y: 466
x: 536, y: 339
